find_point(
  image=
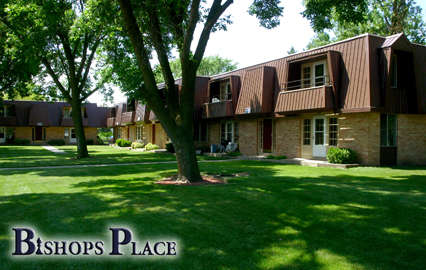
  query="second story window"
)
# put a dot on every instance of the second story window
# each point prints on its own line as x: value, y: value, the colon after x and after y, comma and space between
x: 7, y: 111
x: 225, y: 91
x: 314, y: 74
x: 67, y: 112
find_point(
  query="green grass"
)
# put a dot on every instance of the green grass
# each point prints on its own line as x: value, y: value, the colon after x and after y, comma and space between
x: 279, y: 217
x: 12, y: 156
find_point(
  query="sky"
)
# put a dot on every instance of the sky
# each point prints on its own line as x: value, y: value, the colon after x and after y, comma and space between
x: 247, y: 43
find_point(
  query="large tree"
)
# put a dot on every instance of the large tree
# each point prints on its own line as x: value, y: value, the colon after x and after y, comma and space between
x: 160, y: 25
x: 383, y: 18
x: 62, y: 37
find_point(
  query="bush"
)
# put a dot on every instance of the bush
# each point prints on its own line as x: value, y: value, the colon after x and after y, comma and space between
x: 100, y: 141
x: 125, y: 143
x: 276, y: 157
x: 204, y: 149
x: 90, y: 142
x: 137, y: 145
x: 151, y: 146
x: 341, y: 156
x: 17, y: 142
x: 26, y: 142
x: 170, y: 147
x: 235, y: 154
x: 118, y: 142
x: 56, y: 142
x: 60, y: 142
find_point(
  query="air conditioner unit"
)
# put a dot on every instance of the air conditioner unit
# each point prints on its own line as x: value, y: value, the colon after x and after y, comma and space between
x: 248, y: 110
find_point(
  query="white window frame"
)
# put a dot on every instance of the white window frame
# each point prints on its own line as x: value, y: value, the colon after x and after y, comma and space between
x: 232, y: 131
x: 64, y: 115
x: 313, y: 76
x: 225, y: 91
x: 73, y: 140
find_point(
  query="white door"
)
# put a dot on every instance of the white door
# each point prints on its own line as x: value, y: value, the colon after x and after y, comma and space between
x: 319, y: 136
x: 73, y: 138
x: 2, y: 134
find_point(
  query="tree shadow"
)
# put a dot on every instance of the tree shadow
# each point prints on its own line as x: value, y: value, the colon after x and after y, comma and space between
x: 265, y: 220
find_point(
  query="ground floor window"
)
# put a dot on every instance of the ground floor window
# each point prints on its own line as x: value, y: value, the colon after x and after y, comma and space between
x: 2, y: 134
x: 229, y: 131
x: 66, y: 133
x: 333, y: 131
x: 200, y: 131
x: 388, y: 130
x: 307, y: 132
x: 139, y: 132
x: 73, y: 137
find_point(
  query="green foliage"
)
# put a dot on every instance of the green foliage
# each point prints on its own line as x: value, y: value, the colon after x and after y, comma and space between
x: 89, y: 142
x: 56, y: 142
x: 125, y: 143
x: 341, y: 156
x: 204, y: 149
x: 235, y: 154
x: 383, y: 18
x: 276, y: 157
x: 170, y: 147
x: 17, y: 142
x: 268, y: 12
x: 291, y: 51
x: 137, y: 145
x: 105, y: 135
x: 151, y: 146
x: 118, y: 142
x: 100, y: 141
x: 26, y: 142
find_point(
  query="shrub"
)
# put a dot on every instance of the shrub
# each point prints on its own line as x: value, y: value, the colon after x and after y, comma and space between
x: 151, y: 146
x: 26, y: 142
x: 60, y: 142
x: 204, y: 149
x: 125, y: 143
x: 90, y: 142
x: 276, y: 157
x: 100, y: 141
x: 118, y: 142
x: 137, y: 145
x: 341, y: 156
x: 235, y: 154
x: 170, y: 147
x: 17, y: 142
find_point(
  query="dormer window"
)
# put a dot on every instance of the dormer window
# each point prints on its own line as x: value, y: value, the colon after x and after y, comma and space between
x: 7, y: 111
x: 67, y: 112
x: 314, y: 74
x: 225, y: 91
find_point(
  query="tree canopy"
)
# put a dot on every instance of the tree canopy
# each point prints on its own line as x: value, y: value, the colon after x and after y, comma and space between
x: 383, y: 18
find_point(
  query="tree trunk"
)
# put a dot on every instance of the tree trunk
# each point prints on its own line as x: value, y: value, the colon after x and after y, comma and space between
x: 188, y: 170
x: 79, y: 131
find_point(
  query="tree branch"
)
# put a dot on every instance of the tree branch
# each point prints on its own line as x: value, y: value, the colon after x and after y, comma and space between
x: 56, y: 80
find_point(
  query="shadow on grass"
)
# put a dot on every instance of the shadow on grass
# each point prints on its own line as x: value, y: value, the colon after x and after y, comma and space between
x: 278, y: 217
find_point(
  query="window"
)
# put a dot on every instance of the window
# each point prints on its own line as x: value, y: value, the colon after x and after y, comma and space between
x: 333, y: 131
x: 225, y: 91
x: 394, y: 71
x: 44, y: 134
x: 67, y: 112
x: 2, y: 133
x: 307, y: 132
x: 388, y: 130
x: 7, y: 111
x: 33, y: 134
x: 229, y: 131
x: 66, y: 133
x: 200, y: 132
x: 314, y: 74
x: 139, y: 132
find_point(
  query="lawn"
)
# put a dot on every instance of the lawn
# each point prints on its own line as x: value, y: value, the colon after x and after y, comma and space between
x: 278, y: 217
x: 12, y: 156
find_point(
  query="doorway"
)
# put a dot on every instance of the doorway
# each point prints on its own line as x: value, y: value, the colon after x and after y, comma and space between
x: 39, y: 134
x: 73, y: 138
x: 267, y: 136
x: 153, y: 133
x: 319, y: 148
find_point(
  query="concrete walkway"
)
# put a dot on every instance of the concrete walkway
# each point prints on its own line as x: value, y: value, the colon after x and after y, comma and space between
x: 53, y: 149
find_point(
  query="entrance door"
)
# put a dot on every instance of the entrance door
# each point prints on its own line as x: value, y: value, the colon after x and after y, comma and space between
x: 2, y: 134
x: 267, y: 136
x: 319, y: 136
x: 153, y: 133
x: 39, y: 134
x: 73, y: 138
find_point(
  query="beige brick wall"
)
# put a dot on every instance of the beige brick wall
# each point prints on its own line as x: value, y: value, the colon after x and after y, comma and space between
x: 132, y: 133
x: 54, y: 133
x: 361, y: 133
x: 23, y: 133
x: 288, y: 137
x: 411, y: 139
x: 91, y: 133
x: 160, y: 136
x: 248, y: 141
